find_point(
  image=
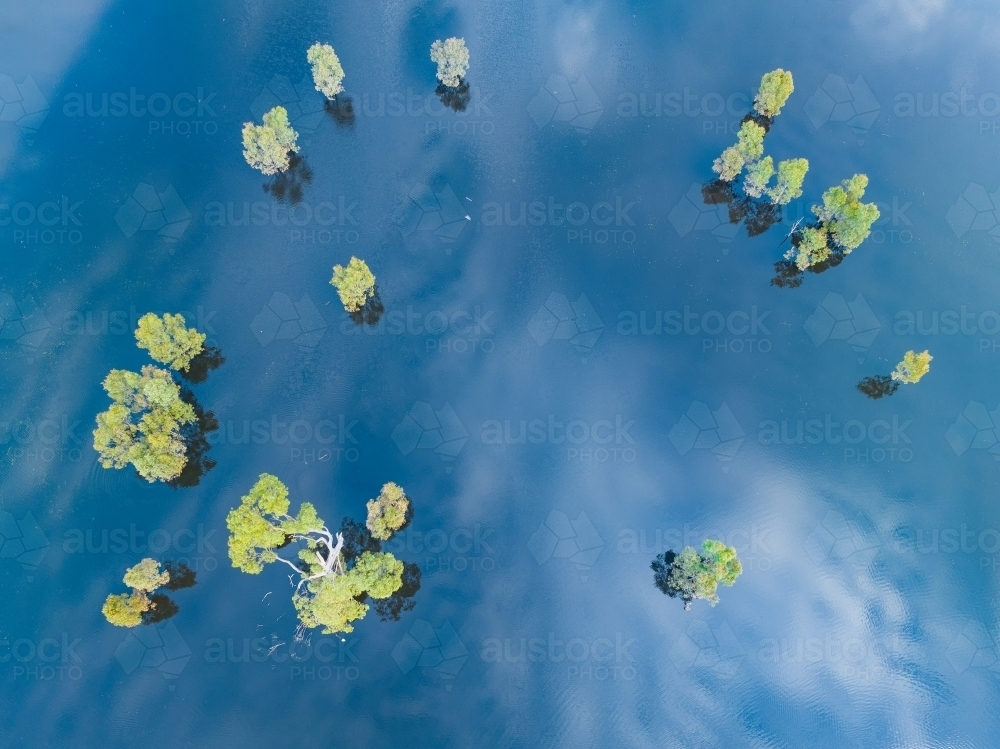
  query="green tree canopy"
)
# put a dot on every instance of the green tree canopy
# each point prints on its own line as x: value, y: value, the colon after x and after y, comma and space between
x: 748, y: 149
x: 691, y: 575
x: 168, y: 340
x: 266, y: 147
x: 758, y: 175
x: 126, y: 609
x: 913, y: 367
x: 452, y: 58
x: 146, y: 576
x: 326, y: 69
x: 846, y: 218
x: 143, y: 424
x: 791, y: 175
x: 387, y: 512
x: 812, y: 248
x: 355, y: 284
x: 775, y: 88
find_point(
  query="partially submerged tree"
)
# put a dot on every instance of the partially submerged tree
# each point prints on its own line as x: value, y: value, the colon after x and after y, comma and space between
x: 131, y: 609
x: 168, y: 340
x: 452, y: 58
x: 791, y: 175
x: 387, y: 512
x: 327, y: 72
x: 913, y: 367
x: 775, y: 88
x: 328, y: 593
x: 749, y: 148
x: 844, y: 222
x: 355, y: 284
x: 266, y: 147
x: 690, y: 575
x: 143, y: 424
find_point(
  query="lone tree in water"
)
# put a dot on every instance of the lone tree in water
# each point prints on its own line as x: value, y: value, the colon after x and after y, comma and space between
x: 168, y: 340
x: 128, y: 609
x: 452, y: 58
x: 775, y: 88
x: 143, y: 424
x: 327, y: 72
x: 327, y: 594
x: 844, y: 223
x: 690, y: 575
x: 913, y: 367
x: 355, y: 284
x: 267, y: 147
x: 387, y: 512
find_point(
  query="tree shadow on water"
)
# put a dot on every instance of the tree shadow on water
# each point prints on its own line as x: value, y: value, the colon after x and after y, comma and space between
x: 787, y: 275
x: 163, y: 608
x: 457, y: 98
x: 371, y: 313
x: 878, y: 386
x: 341, y: 109
x: 758, y: 214
x: 208, y: 360
x: 289, y: 186
x: 358, y: 540
x: 196, y: 442
x: 181, y: 576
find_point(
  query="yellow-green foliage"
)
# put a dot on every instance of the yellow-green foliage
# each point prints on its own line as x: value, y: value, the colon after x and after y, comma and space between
x: 847, y: 219
x: 775, y: 88
x: 168, y: 340
x: 332, y: 602
x: 729, y: 165
x: 758, y: 175
x: 452, y: 58
x: 387, y: 512
x: 142, y: 426
x: 812, y: 248
x: 913, y: 367
x: 126, y: 609
x: 355, y: 284
x: 748, y: 149
x: 255, y: 526
x: 791, y: 175
x: 146, y: 576
x: 695, y: 575
x: 326, y: 69
x: 266, y: 147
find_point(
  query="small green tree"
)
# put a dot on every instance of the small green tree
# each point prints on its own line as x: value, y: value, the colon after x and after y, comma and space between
x: 845, y: 217
x: 452, y: 58
x: 812, y: 248
x: 326, y: 69
x: 775, y: 88
x: 748, y: 149
x: 387, y: 512
x: 758, y: 175
x: 328, y: 594
x: 791, y: 175
x: 128, y: 609
x: 355, y: 284
x: 913, y: 367
x: 690, y: 575
x: 168, y: 340
x: 266, y: 147
x: 143, y: 424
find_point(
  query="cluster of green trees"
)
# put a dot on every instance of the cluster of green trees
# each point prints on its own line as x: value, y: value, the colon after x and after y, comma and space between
x: 129, y: 609
x: 908, y: 372
x: 333, y: 585
x: 691, y: 575
x: 143, y: 427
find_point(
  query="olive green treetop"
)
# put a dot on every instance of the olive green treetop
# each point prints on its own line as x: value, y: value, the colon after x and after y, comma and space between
x: 142, y: 426
x: 326, y: 69
x: 693, y: 575
x: 775, y: 88
x: 168, y: 340
x: 387, y: 512
x: 146, y: 576
x: 748, y: 149
x: 847, y: 219
x: 913, y: 367
x: 127, y: 609
x: 791, y: 175
x: 452, y: 58
x: 266, y: 147
x: 355, y: 284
